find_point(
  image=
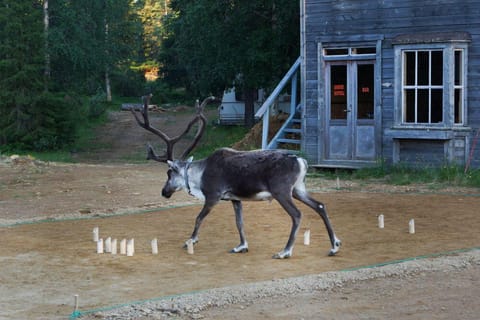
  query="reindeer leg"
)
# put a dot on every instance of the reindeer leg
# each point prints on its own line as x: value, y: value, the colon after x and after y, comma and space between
x: 296, y: 215
x: 207, y: 207
x: 319, y: 207
x: 243, y: 246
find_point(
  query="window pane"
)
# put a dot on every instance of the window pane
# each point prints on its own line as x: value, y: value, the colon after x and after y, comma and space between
x: 338, y: 92
x: 423, y: 68
x: 409, y: 68
x: 365, y: 91
x: 458, y: 106
x: 437, y: 105
x: 364, y: 50
x: 410, y: 105
x: 336, y: 52
x: 458, y: 67
x: 437, y: 68
x: 422, y: 106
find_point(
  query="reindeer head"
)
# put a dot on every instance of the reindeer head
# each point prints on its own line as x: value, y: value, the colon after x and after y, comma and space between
x: 177, y: 177
x: 177, y: 168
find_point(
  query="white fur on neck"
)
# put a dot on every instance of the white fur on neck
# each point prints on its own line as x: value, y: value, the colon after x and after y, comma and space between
x: 194, y: 183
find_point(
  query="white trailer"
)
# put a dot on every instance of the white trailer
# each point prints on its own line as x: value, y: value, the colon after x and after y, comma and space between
x: 232, y: 109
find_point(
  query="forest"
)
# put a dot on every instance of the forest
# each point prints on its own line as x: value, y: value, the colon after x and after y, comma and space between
x: 63, y: 63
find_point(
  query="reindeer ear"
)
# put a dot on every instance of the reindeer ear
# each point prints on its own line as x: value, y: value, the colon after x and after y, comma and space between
x: 170, y: 163
x: 189, y: 160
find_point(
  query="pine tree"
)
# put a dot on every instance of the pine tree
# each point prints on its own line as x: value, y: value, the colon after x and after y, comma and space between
x: 21, y: 66
x: 31, y: 117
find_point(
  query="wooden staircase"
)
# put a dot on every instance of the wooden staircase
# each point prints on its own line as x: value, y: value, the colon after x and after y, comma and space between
x: 289, y: 136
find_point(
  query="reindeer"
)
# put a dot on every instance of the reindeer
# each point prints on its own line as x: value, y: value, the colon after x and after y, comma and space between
x: 236, y: 176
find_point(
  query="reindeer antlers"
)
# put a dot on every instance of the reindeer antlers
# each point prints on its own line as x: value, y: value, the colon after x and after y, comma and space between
x: 168, y: 155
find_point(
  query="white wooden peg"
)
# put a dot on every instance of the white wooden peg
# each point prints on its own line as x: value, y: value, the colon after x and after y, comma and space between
x: 100, y: 245
x: 411, y: 226
x: 123, y: 246
x: 190, y: 246
x: 75, y: 297
x: 108, y: 245
x: 114, y: 246
x: 306, y: 238
x: 154, y: 246
x: 130, y: 248
x: 95, y: 234
x: 381, y: 223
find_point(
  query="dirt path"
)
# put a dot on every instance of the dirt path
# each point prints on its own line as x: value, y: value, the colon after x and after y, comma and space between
x: 48, y: 211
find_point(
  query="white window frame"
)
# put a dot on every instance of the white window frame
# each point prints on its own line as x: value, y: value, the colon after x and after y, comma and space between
x: 462, y: 86
x: 448, y: 85
x: 415, y: 87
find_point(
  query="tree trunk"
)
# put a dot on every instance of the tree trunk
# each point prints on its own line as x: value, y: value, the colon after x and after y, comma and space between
x: 249, y: 95
x: 46, y: 19
x: 108, y: 87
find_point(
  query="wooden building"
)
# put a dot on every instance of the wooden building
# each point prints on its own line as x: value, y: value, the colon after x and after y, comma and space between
x: 397, y: 81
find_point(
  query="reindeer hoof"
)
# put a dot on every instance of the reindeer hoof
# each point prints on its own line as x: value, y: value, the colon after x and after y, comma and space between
x: 336, y: 248
x: 185, y: 245
x: 243, y: 248
x: 235, y: 250
x: 282, y: 255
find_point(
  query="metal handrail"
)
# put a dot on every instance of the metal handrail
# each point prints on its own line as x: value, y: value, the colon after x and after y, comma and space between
x: 264, y: 110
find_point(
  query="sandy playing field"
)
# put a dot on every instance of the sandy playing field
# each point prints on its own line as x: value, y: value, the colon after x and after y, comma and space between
x: 48, y: 211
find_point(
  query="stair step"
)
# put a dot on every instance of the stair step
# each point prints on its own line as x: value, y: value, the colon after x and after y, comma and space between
x: 297, y: 121
x: 293, y: 130
x: 292, y: 141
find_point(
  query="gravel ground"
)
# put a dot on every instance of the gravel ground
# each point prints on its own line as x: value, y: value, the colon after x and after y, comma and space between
x: 296, y: 294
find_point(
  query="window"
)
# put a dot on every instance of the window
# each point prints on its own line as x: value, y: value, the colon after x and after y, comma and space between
x: 422, y: 86
x: 430, y: 79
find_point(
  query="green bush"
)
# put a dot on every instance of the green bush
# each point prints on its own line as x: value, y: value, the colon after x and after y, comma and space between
x: 97, y: 104
x: 40, y: 122
x: 128, y: 83
x: 162, y: 93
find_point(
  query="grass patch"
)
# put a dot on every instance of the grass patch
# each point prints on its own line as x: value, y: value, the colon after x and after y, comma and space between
x: 401, y: 175
x: 54, y: 156
x: 216, y: 137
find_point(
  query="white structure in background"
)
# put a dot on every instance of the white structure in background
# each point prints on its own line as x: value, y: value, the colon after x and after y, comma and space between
x: 232, y: 109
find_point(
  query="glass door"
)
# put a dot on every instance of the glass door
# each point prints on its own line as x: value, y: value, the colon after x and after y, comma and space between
x: 350, y: 111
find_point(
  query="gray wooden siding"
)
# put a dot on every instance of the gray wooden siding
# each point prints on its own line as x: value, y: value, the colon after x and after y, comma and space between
x: 340, y: 18
x: 422, y: 153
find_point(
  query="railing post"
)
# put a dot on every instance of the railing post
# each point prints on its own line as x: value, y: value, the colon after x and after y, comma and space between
x: 271, y: 98
x: 266, y: 123
x: 293, y: 94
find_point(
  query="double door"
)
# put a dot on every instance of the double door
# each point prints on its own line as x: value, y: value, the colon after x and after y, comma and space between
x: 350, y: 110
